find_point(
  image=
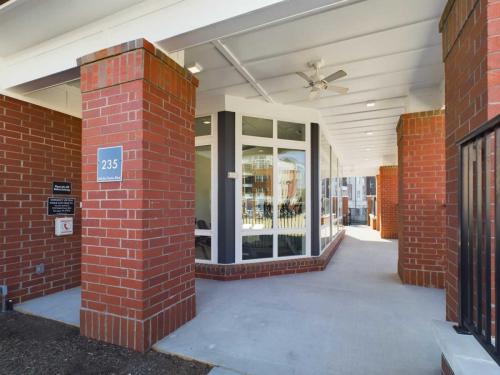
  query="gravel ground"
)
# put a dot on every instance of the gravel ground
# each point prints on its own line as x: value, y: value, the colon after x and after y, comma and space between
x: 32, y: 345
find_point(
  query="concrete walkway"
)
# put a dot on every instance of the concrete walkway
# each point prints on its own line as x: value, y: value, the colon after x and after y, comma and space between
x: 62, y: 306
x: 354, y: 318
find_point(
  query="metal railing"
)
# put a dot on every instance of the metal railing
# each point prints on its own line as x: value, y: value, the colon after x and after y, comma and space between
x: 479, y: 224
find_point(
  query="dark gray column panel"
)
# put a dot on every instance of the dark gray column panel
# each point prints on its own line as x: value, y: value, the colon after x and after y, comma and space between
x: 315, y: 191
x: 226, y: 194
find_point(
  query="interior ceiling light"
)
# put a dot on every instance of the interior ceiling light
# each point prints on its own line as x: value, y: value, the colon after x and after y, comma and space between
x: 371, y: 103
x: 369, y: 133
x: 206, y: 122
x: 195, y: 68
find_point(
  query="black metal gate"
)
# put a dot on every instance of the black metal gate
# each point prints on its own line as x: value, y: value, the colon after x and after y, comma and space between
x: 479, y: 244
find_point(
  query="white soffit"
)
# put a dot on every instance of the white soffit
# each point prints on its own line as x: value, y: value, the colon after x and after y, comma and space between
x: 391, y: 50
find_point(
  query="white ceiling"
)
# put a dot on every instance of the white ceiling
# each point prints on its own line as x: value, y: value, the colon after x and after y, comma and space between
x: 38, y: 28
x: 389, y: 48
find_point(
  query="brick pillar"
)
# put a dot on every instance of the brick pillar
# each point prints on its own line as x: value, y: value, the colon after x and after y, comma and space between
x: 388, y: 201
x: 345, y: 208
x: 138, y: 234
x: 377, y: 208
x: 421, y: 163
x: 470, y: 32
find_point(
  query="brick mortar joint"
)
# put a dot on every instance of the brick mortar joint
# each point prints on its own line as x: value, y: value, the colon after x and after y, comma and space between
x: 443, y: 23
x: 135, y: 45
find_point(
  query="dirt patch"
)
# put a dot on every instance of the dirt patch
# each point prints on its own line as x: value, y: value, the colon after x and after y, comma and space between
x: 32, y: 345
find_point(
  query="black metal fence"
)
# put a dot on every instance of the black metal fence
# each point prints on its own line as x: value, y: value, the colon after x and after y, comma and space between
x: 479, y: 223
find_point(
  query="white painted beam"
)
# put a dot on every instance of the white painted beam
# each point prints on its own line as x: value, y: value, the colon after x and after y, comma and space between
x: 233, y: 60
x: 153, y: 20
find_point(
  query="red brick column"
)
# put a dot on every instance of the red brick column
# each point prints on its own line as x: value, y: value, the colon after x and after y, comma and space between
x: 470, y: 31
x: 421, y: 163
x: 138, y: 234
x: 388, y: 201
x: 377, y: 209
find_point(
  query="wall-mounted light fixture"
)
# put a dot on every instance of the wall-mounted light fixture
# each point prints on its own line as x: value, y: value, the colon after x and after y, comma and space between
x: 195, y: 68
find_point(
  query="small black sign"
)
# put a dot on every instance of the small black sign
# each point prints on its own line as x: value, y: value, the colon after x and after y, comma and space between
x: 61, y: 187
x: 61, y: 206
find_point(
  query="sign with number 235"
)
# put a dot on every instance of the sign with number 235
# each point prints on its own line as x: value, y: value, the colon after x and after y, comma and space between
x: 109, y: 164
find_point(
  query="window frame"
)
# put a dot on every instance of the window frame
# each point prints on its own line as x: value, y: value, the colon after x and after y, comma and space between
x: 275, y: 143
x: 210, y: 140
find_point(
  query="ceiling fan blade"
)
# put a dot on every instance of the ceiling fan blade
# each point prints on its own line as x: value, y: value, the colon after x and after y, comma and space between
x: 337, y: 75
x: 338, y: 89
x: 304, y: 76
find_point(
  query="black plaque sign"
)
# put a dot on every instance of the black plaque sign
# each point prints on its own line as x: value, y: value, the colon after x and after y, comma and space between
x: 61, y: 206
x: 61, y: 187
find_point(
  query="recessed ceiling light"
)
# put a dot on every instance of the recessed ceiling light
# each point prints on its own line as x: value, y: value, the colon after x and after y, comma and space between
x: 369, y: 133
x: 371, y: 103
x: 195, y: 68
x: 206, y: 122
x: 368, y: 149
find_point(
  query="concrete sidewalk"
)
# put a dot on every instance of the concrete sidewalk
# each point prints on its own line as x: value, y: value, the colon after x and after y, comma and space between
x: 354, y: 318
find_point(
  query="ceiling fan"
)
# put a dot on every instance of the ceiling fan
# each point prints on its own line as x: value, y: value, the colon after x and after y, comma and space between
x: 317, y: 82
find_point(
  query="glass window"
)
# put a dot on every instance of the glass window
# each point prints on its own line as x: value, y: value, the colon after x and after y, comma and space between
x: 292, y: 131
x: 203, y: 126
x: 203, y: 180
x: 257, y: 127
x: 257, y: 247
x: 292, y: 185
x: 203, y: 247
x: 291, y: 244
x: 325, y: 219
x: 257, y: 187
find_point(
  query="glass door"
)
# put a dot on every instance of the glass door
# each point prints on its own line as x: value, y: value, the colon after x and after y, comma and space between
x: 272, y: 193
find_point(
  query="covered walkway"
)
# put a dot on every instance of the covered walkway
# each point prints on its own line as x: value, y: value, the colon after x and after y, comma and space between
x: 354, y: 318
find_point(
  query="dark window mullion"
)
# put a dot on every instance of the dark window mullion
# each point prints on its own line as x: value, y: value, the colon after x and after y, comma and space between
x: 487, y: 244
x: 479, y: 232
x: 470, y: 226
x: 497, y: 240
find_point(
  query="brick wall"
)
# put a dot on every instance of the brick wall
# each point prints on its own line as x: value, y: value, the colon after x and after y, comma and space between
x: 377, y: 183
x: 470, y: 50
x: 388, y: 201
x: 227, y: 272
x: 37, y: 146
x: 422, y: 195
x: 369, y: 202
x: 138, y: 263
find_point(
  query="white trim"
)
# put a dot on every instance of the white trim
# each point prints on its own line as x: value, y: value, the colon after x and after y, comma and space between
x: 275, y: 144
x: 211, y: 140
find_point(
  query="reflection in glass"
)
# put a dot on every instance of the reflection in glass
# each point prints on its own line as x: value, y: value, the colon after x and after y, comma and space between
x: 257, y: 127
x: 292, y: 185
x: 257, y: 187
x: 335, y: 185
x: 203, y: 126
x: 202, y: 187
x: 203, y: 247
x: 257, y: 247
x: 325, y: 219
x: 291, y: 130
x: 291, y: 244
